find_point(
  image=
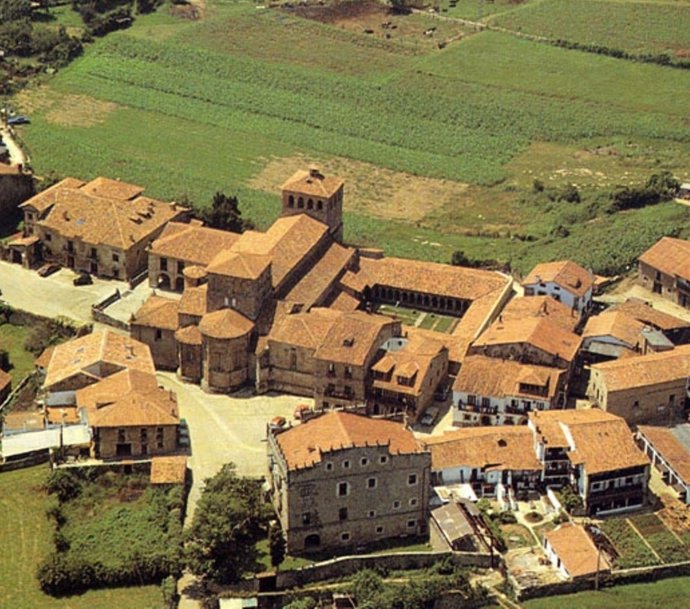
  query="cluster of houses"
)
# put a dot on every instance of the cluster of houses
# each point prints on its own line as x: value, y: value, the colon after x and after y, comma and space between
x: 295, y: 310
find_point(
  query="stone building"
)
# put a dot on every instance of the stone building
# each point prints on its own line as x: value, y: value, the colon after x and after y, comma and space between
x: 155, y: 324
x: 647, y: 389
x: 668, y: 448
x: 664, y: 270
x: 342, y: 480
x: 103, y: 227
x: 564, y: 281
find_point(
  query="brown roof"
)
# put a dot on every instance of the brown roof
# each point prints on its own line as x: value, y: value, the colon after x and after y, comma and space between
x: 539, y: 332
x: 45, y: 199
x: 616, y: 324
x: 67, y: 415
x: 541, y: 306
x: 576, y: 550
x: 137, y: 408
x: 670, y: 256
x: 644, y: 370
x: 5, y: 380
x: 112, y: 189
x: 157, y: 312
x: 316, y: 283
x: 306, y: 444
x: 168, y: 470
x: 243, y: 265
x: 113, y: 387
x: 304, y: 329
x: 193, y: 301
x: 189, y: 335
x: 548, y: 423
x: 24, y: 420
x: 353, y: 337
x: 192, y: 243
x: 82, y: 214
x: 670, y: 448
x: 501, y: 447
x: 491, y: 377
x: 225, y: 324
x: 85, y: 355
x: 426, y: 277
x: 564, y: 273
x: 344, y: 302
x: 647, y: 314
x: 313, y: 182
x: 43, y: 359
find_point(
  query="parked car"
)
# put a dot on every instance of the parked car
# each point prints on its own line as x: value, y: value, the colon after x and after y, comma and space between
x: 429, y: 417
x: 442, y: 391
x: 18, y: 120
x: 300, y: 411
x: 48, y: 269
x: 277, y: 423
x: 83, y: 278
x: 183, y: 434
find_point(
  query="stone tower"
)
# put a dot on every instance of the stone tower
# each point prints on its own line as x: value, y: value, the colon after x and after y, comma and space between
x: 318, y: 196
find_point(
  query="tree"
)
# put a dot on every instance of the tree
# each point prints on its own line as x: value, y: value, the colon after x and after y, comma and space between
x: 225, y: 214
x: 459, y: 259
x: 366, y: 585
x: 5, y: 363
x: 228, y: 521
x: 276, y: 544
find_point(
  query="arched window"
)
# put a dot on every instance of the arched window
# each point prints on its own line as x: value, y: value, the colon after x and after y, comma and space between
x: 310, y: 204
x: 319, y: 205
x: 300, y: 203
x: 291, y: 201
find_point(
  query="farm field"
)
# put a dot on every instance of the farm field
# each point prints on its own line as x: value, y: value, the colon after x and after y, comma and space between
x: 635, y: 27
x: 439, y: 148
x: 665, y: 593
x: 27, y: 536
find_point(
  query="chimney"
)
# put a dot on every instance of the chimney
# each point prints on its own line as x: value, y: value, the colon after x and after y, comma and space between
x: 314, y: 172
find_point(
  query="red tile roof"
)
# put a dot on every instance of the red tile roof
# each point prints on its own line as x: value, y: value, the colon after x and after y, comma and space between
x: 564, y: 273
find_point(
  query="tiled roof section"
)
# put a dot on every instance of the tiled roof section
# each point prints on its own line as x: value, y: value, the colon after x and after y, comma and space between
x: 456, y: 345
x: 313, y: 183
x: 106, y: 221
x: 189, y: 335
x: 225, y: 324
x: 548, y: 428
x: 670, y: 256
x: 67, y: 415
x: 87, y: 352
x: 646, y: 370
x: 138, y: 408
x: 112, y: 189
x: 243, y: 265
x: 23, y: 420
x: 344, y: 302
x: 540, y: 307
x: 495, y: 448
x: 353, y: 337
x: 306, y: 444
x: 564, y: 273
x: 669, y: 447
x: 168, y: 470
x: 541, y: 333
x: 491, y: 377
x: 193, y: 301
x: 195, y: 272
x: 616, y: 324
x: 43, y: 359
x: 5, y: 380
x: 427, y: 277
x: 304, y: 329
x: 576, y: 550
x: 157, y: 312
x: 43, y: 200
x: 192, y: 243
x: 114, y: 387
x: 647, y: 314
x: 316, y: 283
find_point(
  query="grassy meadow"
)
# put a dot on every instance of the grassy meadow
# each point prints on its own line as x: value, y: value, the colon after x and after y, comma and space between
x: 455, y: 135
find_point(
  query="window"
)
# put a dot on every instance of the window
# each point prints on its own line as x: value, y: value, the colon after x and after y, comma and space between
x: 412, y: 479
x: 331, y: 369
x: 180, y: 266
x: 471, y: 400
x: 342, y: 513
x: 413, y: 502
x: 486, y: 402
x: 344, y: 537
x: 411, y: 524
x: 306, y: 518
x: 49, y: 237
x: 116, y: 258
x: 164, y: 264
x: 159, y: 334
x: 364, y: 462
x: 371, y: 483
x: 372, y: 514
x: 346, y: 464
x: 348, y: 372
x: 94, y: 253
x: 343, y: 489
x: 396, y: 505
x: 383, y: 459
x: 379, y: 530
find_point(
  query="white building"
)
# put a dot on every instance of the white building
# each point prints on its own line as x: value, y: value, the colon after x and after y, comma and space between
x: 564, y: 281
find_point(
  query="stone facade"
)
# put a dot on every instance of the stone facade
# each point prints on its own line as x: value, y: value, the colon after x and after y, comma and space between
x: 110, y: 443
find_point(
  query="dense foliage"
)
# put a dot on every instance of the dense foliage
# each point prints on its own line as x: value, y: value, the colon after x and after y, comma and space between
x: 224, y: 214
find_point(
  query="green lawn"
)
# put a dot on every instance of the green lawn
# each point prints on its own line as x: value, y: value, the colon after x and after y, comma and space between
x: 26, y: 536
x: 631, y: 548
x: 665, y: 593
x: 12, y: 340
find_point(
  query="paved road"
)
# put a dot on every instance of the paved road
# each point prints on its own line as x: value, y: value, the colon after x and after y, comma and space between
x: 16, y: 153
x: 52, y: 296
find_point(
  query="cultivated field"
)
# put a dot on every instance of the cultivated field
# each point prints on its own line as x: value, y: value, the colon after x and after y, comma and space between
x: 439, y: 146
x: 26, y: 535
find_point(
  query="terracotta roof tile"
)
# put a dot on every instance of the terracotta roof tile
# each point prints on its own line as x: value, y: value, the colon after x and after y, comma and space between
x: 168, y: 470
x: 667, y: 444
x: 43, y: 200
x: 564, y: 273
x: 647, y: 314
x: 615, y: 324
x: 137, y: 408
x: 189, y: 335
x: 5, y: 380
x: 193, y: 301
x: 304, y: 329
x: 112, y: 189
x: 192, y: 243
x: 225, y: 324
x: 670, y: 256
x: 344, y: 302
x: 306, y: 444
x: 43, y: 359
x: 157, y: 312
x: 233, y: 264
x: 313, y: 183
x: 576, y: 550
x: 541, y: 307
x: 499, y: 447
x: 111, y: 388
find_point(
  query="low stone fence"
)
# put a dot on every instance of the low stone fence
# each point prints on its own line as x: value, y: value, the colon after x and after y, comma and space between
x: 17, y: 389
x: 98, y: 312
x: 399, y: 561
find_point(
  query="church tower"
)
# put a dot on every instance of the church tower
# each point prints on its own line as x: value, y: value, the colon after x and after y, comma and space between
x: 318, y: 196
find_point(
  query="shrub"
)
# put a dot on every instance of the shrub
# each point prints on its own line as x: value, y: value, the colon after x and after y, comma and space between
x: 63, y: 484
x: 507, y: 518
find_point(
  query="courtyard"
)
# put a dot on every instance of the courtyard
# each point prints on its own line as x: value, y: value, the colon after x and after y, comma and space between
x: 420, y: 319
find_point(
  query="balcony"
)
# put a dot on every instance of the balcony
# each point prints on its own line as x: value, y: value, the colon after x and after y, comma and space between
x: 492, y: 410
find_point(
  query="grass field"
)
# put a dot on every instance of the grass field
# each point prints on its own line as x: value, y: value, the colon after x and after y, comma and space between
x: 420, y: 319
x: 455, y: 136
x: 665, y: 593
x: 636, y: 27
x: 12, y: 340
x: 26, y: 536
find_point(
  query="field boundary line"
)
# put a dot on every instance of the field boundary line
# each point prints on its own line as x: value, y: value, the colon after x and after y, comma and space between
x: 642, y: 537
